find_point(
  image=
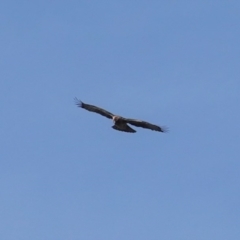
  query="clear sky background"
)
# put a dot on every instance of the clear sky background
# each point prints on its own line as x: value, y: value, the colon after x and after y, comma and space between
x: 66, y: 174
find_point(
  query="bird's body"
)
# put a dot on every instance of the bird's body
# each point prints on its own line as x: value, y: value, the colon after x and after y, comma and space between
x: 120, y: 123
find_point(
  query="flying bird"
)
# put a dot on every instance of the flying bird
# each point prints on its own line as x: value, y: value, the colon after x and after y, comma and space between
x: 120, y: 123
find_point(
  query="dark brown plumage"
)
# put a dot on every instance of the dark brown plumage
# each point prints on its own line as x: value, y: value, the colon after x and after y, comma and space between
x: 120, y: 123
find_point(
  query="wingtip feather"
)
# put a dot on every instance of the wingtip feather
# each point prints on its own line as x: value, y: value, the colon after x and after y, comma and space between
x: 78, y: 102
x: 164, y: 129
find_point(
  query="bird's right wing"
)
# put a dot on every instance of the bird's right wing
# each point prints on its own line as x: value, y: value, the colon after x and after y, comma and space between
x: 143, y: 124
x: 93, y: 108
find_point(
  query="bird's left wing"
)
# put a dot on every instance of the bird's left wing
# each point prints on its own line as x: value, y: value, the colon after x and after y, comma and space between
x: 143, y: 124
x: 93, y: 108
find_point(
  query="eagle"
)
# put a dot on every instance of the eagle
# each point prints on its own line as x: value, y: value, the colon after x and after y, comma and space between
x: 120, y: 123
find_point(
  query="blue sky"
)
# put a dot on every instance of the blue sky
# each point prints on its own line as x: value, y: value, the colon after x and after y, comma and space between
x: 66, y: 174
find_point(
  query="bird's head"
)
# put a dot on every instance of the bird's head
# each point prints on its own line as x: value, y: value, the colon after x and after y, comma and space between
x: 115, y: 118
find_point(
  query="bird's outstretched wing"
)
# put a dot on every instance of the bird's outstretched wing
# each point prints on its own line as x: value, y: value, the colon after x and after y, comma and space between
x: 140, y: 123
x: 93, y: 108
